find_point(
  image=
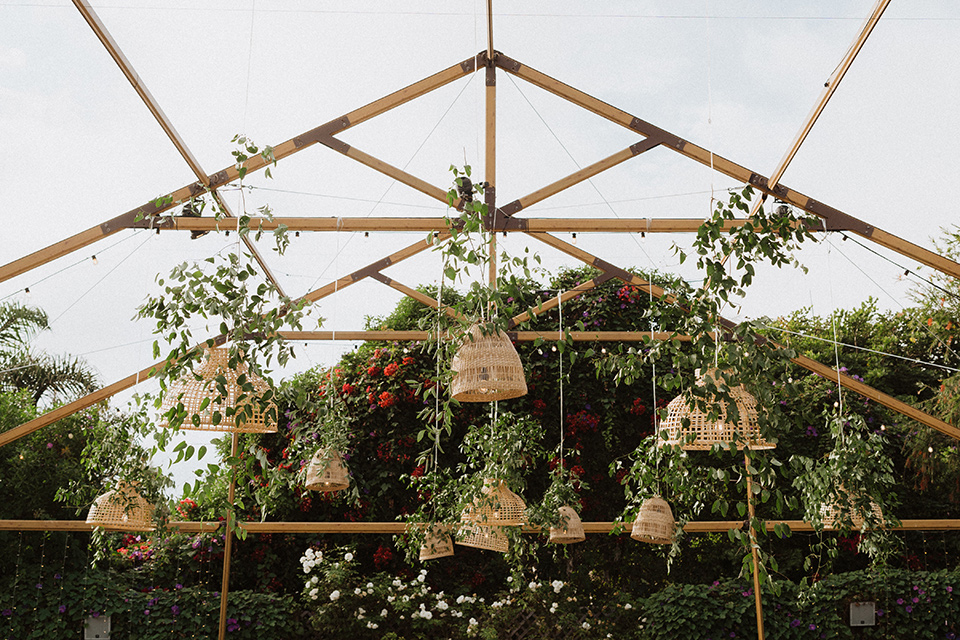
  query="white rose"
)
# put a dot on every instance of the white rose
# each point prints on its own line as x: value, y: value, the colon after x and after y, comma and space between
x: 357, y: 591
x: 383, y: 613
x: 532, y: 586
x: 314, y: 592
x: 427, y: 615
x: 369, y: 585
x: 334, y: 595
x: 314, y: 580
x: 348, y: 556
x: 473, y: 621
x: 585, y: 625
x: 628, y: 606
x: 306, y: 568
x: 421, y: 577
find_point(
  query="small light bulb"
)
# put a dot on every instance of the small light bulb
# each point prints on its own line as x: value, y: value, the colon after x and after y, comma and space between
x: 574, y: 238
x: 553, y: 348
x: 603, y: 350
x: 296, y: 234
x: 27, y: 291
x: 94, y: 258
x: 366, y: 234
x: 929, y: 449
x: 883, y: 427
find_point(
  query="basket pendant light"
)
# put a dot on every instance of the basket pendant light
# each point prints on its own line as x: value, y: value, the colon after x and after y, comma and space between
x: 437, y: 544
x: 571, y: 529
x: 706, y: 432
x: 191, y: 392
x: 327, y: 472
x: 654, y: 523
x: 484, y: 520
x: 832, y: 514
x: 122, y: 509
x: 487, y: 368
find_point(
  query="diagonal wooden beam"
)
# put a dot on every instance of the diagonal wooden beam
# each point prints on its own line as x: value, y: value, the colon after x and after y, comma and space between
x: 422, y: 298
x: 121, y: 385
x: 231, y: 173
x: 807, y: 363
x: 579, y: 176
x: 830, y: 215
x: 554, y: 301
x: 517, y: 336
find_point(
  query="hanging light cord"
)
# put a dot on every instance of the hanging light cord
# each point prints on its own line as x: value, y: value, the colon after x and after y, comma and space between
x: 836, y: 349
x: 653, y: 363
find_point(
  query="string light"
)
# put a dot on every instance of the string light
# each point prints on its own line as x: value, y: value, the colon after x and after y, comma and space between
x: 574, y: 238
x: 94, y: 258
x: 27, y: 291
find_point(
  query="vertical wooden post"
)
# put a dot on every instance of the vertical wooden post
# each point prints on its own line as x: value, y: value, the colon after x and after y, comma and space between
x: 490, y: 170
x: 753, y: 549
x: 228, y: 543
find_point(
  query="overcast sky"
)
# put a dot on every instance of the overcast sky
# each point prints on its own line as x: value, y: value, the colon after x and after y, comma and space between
x: 735, y: 77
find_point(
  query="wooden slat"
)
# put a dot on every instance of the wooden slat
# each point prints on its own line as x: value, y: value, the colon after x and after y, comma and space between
x: 696, y: 526
x: 397, y: 174
x: 422, y: 298
x: 723, y: 165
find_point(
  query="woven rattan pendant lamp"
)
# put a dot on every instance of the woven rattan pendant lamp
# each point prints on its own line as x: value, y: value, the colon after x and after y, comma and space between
x: 121, y: 509
x: 484, y: 520
x: 705, y: 432
x: 571, y: 531
x: 437, y: 544
x: 192, y: 389
x: 327, y: 472
x: 483, y: 537
x: 487, y: 368
x: 832, y: 514
x: 654, y: 523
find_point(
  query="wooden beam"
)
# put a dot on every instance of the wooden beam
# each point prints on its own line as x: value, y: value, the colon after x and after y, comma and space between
x: 812, y: 365
x: 517, y: 336
x: 623, y: 528
x: 426, y: 224
x: 830, y: 215
x: 422, y: 298
x: 555, y: 301
x: 579, y: 176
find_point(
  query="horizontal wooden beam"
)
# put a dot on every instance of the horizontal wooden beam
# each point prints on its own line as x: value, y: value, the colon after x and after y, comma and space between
x: 696, y: 526
x: 425, y: 224
x: 516, y: 336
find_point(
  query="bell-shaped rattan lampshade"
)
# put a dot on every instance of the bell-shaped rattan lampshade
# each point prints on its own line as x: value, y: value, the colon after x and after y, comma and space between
x: 327, y: 472
x: 438, y: 544
x: 487, y: 368
x: 496, y: 507
x: 121, y: 509
x: 192, y: 392
x: 484, y: 537
x: 706, y: 432
x: 832, y: 514
x: 571, y: 529
x: 655, y: 522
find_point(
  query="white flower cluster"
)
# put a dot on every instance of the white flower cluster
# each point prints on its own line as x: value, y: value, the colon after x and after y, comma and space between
x: 310, y: 559
x: 557, y: 585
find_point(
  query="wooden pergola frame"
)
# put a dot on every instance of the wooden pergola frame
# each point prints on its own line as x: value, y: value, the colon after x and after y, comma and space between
x: 154, y: 214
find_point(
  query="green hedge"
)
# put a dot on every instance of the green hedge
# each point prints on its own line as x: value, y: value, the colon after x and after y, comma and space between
x: 55, y: 607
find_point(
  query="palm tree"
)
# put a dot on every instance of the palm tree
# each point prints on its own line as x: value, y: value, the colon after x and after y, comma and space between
x: 41, y: 373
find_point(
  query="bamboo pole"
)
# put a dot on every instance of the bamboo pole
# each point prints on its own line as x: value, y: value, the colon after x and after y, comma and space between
x: 228, y: 540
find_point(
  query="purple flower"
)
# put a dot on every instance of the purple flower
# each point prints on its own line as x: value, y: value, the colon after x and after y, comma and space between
x: 56, y: 576
x: 146, y: 612
x: 7, y: 613
x: 899, y: 600
x: 812, y: 626
x: 916, y: 600
x: 49, y: 445
x: 175, y: 610
x: 179, y: 586
x: 812, y: 431
x: 949, y: 589
x: 795, y: 623
x: 879, y: 613
x: 63, y: 608
x: 232, y: 624
x: 39, y: 585
x: 908, y: 609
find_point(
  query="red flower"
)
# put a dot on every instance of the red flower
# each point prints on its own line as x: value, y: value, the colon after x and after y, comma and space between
x: 418, y: 471
x: 348, y: 388
x: 407, y: 360
x: 638, y: 407
x: 373, y: 370
x: 387, y: 399
x: 391, y: 369
x: 382, y: 557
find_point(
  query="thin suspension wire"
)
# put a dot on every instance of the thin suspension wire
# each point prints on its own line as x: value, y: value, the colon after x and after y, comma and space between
x: 836, y: 349
x: 847, y: 345
x: 653, y: 363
